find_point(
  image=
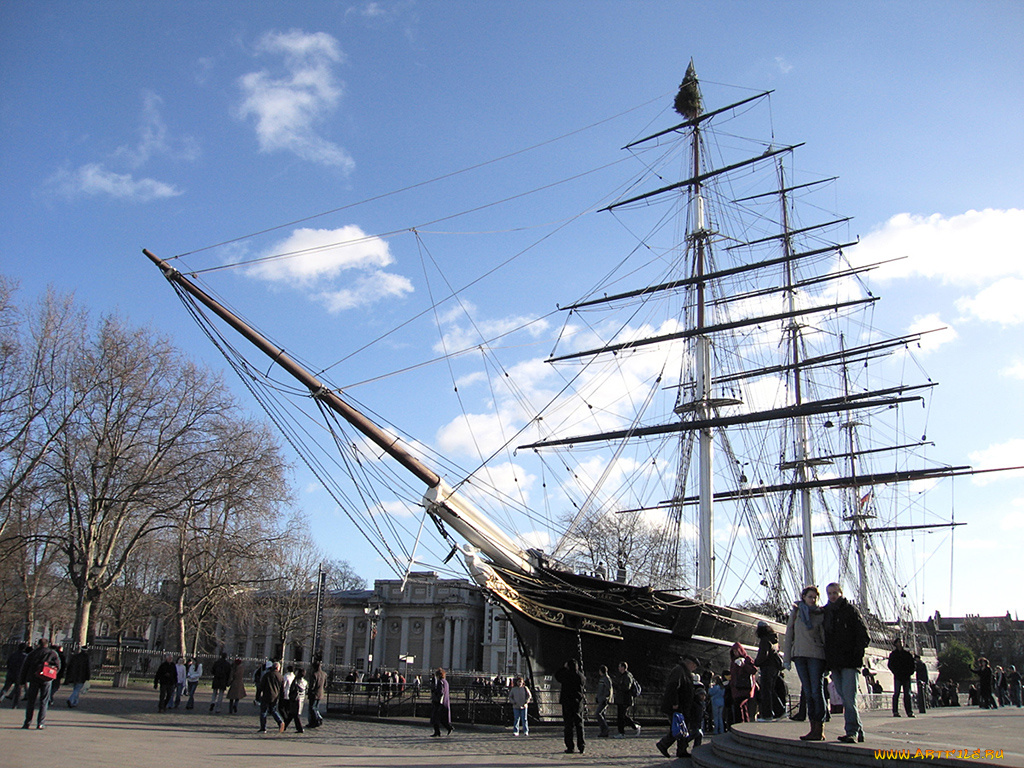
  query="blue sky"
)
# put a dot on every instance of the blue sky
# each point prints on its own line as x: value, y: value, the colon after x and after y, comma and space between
x: 181, y: 125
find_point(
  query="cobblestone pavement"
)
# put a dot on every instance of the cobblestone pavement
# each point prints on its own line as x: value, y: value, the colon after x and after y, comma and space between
x: 121, y: 727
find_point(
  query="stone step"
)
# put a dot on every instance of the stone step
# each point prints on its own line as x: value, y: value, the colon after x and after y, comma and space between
x: 744, y: 747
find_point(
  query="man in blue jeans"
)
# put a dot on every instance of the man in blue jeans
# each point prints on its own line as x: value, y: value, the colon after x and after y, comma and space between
x: 38, y: 672
x: 846, y: 637
x: 267, y: 694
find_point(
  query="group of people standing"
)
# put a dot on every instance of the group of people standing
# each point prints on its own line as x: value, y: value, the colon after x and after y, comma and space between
x: 997, y: 687
x: 280, y: 697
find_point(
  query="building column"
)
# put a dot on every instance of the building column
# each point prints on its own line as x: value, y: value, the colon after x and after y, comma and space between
x: 459, y: 653
x: 428, y: 635
x: 350, y: 633
x: 446, y: 656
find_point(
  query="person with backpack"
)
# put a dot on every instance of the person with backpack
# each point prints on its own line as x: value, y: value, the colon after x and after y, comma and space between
x: 38, y: 673
x: 626, y: 689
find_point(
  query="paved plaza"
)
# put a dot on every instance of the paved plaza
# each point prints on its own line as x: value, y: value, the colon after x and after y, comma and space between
x: 120, y: 727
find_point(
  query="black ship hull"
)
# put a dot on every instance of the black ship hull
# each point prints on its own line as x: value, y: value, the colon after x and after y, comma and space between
x: 559, y: 616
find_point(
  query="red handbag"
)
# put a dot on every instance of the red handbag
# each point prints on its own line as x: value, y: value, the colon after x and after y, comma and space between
x: 48, y: 672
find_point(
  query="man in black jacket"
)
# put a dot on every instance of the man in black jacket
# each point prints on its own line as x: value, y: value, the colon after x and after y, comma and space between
x: 572, y: 699
x: 678, y: 697
x: 78, y: 674
x: 846, y: 637
x: 901, y: 664
x: 38, y: 673
x: 165, y: 679
x: 221, y: 671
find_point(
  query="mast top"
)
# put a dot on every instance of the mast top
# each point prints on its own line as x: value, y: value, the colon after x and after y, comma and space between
x: 688, y: 101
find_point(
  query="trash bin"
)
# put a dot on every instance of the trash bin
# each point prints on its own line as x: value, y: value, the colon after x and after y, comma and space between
x: 121, y: 679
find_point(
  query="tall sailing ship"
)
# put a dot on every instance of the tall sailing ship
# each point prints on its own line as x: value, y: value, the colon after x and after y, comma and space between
x: 728, y: 369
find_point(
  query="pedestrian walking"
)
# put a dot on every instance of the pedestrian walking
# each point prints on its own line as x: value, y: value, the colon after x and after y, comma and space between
x: 221, y: 672
x: 441, y: 702
x: 12, y: 683
x: 193, y: 672
x: 38, y: 673
x: 78, y: 675
x: 315, y: 692
x: 678, y: 699
x: 236, y: 690
x: 901, y: 664
x: 519, y: 696
x: 268, y: 694
x: 805, y: 648
x: 603, y: 698
x: 625, y: 690
x: 296, y: 700
x: 846, y: 638
x: 166, y: 678
x: 717, y: 697
x: 181, y: 680
x: 572, y: 698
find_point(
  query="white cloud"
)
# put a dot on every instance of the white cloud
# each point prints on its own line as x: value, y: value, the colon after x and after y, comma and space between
x: 154, y: 139
x: 288, y: 107
x: 1002, y: 302
x: 1008, y: 454
x: 973, y: 248
x: 93, y: 180
x: 535, y: 540
x: 977, y: 250
x: 316, y: 259
x: 933, y: 338
x: 1014, y: 370
x: 97, y: 179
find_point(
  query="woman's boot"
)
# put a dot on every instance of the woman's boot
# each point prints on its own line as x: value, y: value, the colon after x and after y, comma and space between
x: 815, y: 733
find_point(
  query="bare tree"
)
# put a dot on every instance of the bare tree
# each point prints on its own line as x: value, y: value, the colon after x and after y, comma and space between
x: 125, y: 461
x: 37, y: 351
x: 622, y: 546
x: 229, y: 524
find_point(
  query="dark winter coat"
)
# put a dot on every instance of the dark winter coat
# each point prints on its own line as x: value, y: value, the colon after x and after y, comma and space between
x: 573, y: 686
x: 317, y: 684
x: 221, y: 674
x: 79, y: 669
x: 166, y: 674
x: 768, y: 657
x: 901, y: 664
x: 34, y: 664
x: 270, y: 686
x: 846, y: 635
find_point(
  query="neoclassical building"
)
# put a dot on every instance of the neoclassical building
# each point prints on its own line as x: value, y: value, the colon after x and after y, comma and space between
x: 431, y: 622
